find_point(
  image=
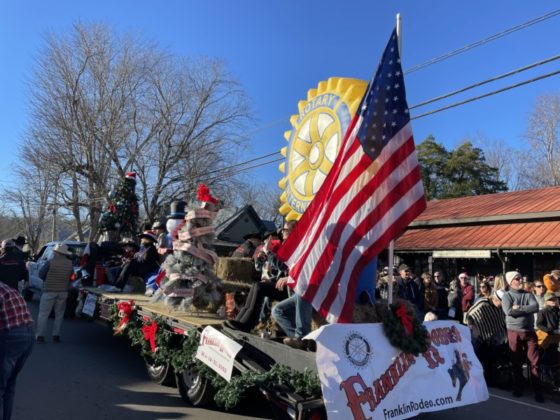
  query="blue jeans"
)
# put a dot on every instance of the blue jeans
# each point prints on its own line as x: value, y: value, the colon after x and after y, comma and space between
x: 294, y: 316
x: 15, y: 347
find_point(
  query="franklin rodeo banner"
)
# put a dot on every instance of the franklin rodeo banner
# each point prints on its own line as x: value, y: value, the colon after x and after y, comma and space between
x: 364, y: 377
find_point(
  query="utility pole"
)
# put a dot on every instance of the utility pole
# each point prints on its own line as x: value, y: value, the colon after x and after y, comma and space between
x: 54, y: 235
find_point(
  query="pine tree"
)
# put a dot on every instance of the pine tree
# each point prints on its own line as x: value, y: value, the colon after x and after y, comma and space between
x: 121, y: 215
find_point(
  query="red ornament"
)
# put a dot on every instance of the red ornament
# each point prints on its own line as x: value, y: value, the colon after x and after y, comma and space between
x: 404, y: 316
x: 204, y: 194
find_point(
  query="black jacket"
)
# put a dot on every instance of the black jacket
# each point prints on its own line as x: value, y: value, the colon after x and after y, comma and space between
x: 12, y: 268
x: 548, y: 319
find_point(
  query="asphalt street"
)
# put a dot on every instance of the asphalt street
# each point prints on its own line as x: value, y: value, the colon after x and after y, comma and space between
x: 93, y: 375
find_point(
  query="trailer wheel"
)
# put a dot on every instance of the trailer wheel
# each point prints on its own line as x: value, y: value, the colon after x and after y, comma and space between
x: 194, y: 388
x: 160, y: 374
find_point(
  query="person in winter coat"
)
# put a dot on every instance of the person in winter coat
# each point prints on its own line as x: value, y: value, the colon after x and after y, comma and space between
x: 12, y: 265
x: 443, y: 305
x: 408, y: 289
x: 548, y: 322
x: 467, y: 292
x: 144, y: 262
x: 430, y: 293
x: 519, y: 307
x: 56, y: 272
x: 552, y: 281
x: 454, y: 301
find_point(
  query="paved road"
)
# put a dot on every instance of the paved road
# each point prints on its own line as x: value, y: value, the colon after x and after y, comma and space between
x: 93, y: 376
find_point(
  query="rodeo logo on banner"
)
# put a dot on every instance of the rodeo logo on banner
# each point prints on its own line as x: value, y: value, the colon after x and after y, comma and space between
x: 364, y: 377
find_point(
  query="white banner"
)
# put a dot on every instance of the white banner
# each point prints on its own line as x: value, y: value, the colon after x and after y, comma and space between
x: 364, y: 377
x: 217, y: 351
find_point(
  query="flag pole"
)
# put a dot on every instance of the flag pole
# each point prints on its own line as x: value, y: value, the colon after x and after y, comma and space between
x: 392, y: 243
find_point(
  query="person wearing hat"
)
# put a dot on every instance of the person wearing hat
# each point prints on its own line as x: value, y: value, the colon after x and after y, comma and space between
x: 12, y: 266
x: 519, y: 307
x: 164, y: 246
x: 56, y: 274
x: 407, y: 289
x: 552, y: 281
x: 247, y: 249
x: 548, y: 322
x: 144, y: 262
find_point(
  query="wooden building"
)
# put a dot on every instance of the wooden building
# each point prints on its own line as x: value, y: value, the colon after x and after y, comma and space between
x: 486, y: 234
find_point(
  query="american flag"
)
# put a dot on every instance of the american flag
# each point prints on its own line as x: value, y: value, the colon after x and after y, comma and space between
x: 373, y: 191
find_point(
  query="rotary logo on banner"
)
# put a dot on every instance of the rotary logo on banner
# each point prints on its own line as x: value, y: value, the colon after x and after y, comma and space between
x: 364, y: 377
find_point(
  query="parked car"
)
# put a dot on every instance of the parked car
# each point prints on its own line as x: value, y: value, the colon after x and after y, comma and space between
x: 35, y: 283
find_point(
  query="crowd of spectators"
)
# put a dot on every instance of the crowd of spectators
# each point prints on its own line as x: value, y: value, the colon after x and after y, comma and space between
x: 507, y: 314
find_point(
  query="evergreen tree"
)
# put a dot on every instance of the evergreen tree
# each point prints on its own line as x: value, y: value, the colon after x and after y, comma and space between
x: 121, y: 215
x: 457, y: 173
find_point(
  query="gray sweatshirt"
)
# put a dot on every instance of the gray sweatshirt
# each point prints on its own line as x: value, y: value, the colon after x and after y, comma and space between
x: 520, y: 319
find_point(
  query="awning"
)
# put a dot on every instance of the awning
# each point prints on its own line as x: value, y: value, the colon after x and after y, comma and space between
x: 533, y: 236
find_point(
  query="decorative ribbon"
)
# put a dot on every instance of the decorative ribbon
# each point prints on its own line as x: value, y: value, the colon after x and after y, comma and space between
x: 149, y: 332
x: 404, y: 316
x: 200, y: 214
x: 194, y: 233
x: 204, y: 254
x: 125, y: 311
x: 204, y: 194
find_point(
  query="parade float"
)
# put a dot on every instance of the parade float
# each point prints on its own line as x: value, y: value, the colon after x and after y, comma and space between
x: 386, y: 364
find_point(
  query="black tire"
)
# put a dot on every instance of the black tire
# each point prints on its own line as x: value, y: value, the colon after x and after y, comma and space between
x: 194, y: 389
x: 160, y: 374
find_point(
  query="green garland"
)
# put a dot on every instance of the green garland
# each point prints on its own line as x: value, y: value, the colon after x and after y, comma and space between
x: 415, y: 343
x: 179, y: 351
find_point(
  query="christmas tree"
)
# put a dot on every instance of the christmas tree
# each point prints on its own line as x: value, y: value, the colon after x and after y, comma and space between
x: 188, y: 282
x: 121, y: 215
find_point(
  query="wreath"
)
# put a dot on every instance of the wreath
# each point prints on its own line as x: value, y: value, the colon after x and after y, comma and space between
x: 404, y: 330
x: 180, y: 350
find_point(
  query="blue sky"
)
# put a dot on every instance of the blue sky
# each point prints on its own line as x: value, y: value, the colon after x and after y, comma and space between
x: 280, y: 49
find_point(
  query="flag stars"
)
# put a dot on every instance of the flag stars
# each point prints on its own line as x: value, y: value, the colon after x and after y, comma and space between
x: 398, y: 73
x: 395, y: 98
x: 394, y: 111
x: 397, y: 86
x: 393, y: 124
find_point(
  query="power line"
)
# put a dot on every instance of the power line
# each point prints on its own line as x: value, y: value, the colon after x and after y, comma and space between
x: 484, y: 82
x: 483, y: 41
x: 475, y: 98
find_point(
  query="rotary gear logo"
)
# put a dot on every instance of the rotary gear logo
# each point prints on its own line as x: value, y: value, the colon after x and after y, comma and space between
x: 357, y: 349
x: 315, y: 140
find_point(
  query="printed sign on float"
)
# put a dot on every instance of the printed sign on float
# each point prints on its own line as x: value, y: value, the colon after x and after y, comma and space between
x: 217, y: 351
x: 89, y: 305
x: 364, y: 377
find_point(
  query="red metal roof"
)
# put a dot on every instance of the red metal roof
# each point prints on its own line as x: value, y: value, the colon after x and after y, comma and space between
x: 538, y: 235
x: 507, y: 234
x: 528, y: 201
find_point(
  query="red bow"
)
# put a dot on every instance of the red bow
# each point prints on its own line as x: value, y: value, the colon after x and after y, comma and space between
x: 150, y: 334
x: 125, y: 311
x: 405, y: 318
x: 204, y: 194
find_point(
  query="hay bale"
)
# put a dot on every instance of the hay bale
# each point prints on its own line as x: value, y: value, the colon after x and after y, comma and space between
x: 235, y: 269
